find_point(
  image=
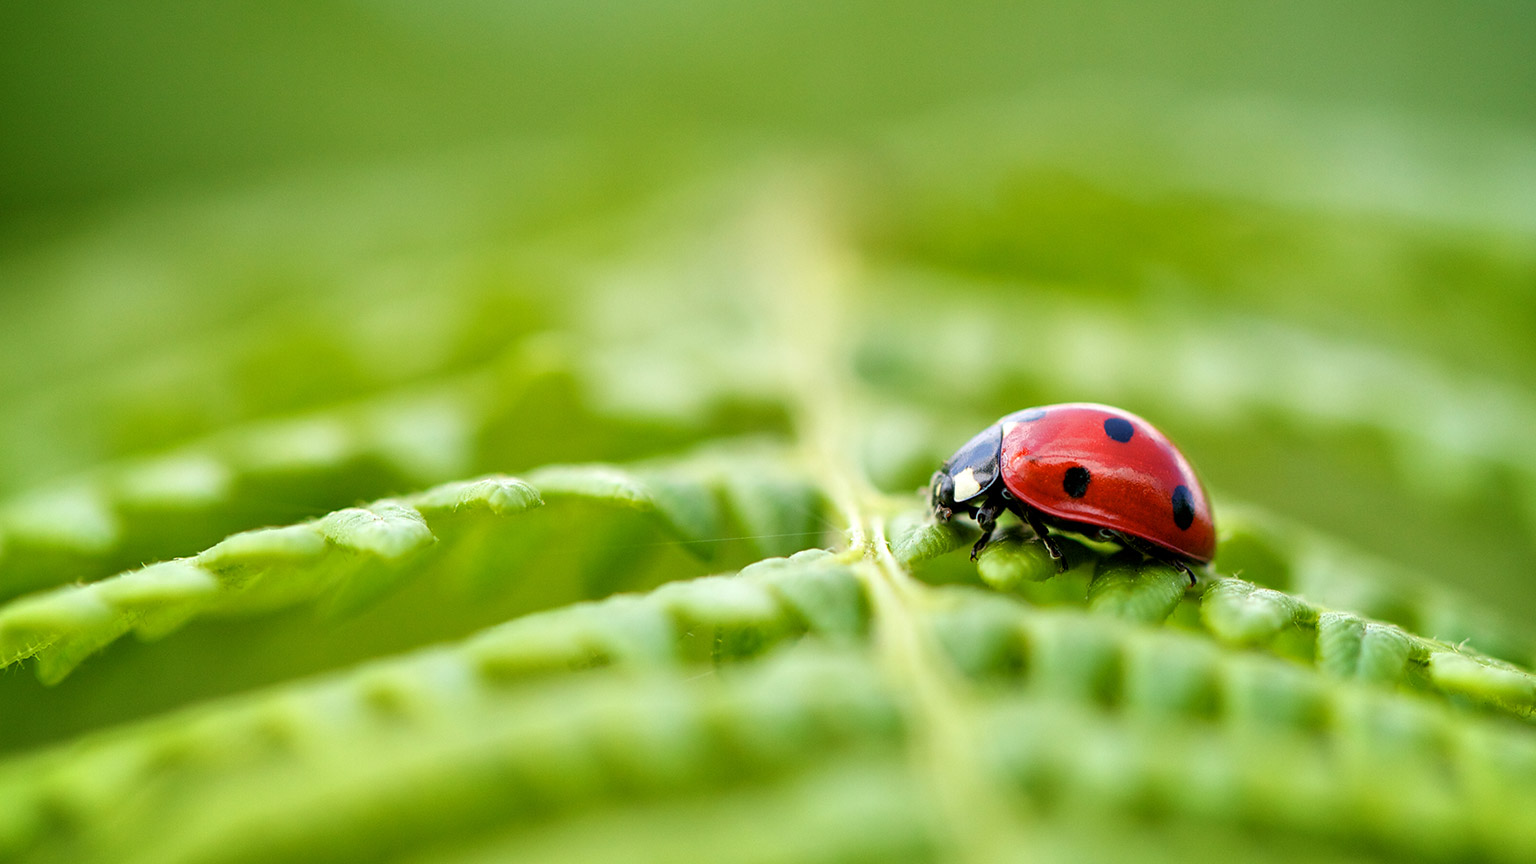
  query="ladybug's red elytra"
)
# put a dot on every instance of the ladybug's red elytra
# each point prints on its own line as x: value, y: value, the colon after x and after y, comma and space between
x: 1085, y: 468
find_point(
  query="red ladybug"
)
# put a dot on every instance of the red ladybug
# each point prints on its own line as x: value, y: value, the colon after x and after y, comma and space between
x: 1086, y: 468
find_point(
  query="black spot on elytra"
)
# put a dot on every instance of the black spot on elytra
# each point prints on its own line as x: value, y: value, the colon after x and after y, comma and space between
x: 1119, y: 428
x: 1183, y: 507
x: 1076, y: 481
x: 1032, y: 414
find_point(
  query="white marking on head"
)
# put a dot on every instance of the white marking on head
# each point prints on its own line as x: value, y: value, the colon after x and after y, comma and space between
x: 966, y: 486
x: 1009, y: 426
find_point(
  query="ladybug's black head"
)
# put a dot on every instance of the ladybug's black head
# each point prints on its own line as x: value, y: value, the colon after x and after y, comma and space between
x: 941, y: 495
x: 968, y: 474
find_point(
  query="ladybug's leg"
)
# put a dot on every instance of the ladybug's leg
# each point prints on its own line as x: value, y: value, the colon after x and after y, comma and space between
x: 986, y: 517
x: 1157, y: 554
x: 1045, y: 537
x: 1183, y: 568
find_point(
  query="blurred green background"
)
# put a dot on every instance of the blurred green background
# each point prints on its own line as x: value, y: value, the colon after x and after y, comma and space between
x: 107, y: 103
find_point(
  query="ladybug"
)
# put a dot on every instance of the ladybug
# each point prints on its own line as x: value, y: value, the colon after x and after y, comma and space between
x: 1085, y: 468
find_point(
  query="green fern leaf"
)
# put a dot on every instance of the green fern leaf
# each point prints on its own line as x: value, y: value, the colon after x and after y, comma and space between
x: 547, y: 535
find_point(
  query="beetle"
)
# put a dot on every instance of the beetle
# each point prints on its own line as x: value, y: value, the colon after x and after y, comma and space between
x: 1082, y: 467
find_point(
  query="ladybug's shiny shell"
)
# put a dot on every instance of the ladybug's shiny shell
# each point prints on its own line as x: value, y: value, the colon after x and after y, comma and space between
x: 1084, y: 467
x: 1108, y: 468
